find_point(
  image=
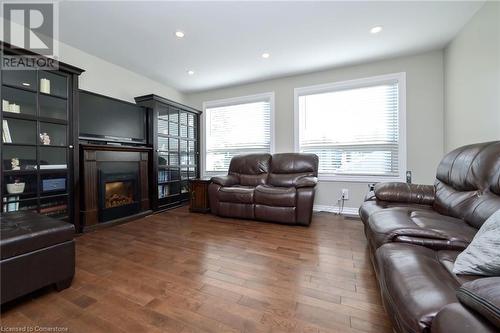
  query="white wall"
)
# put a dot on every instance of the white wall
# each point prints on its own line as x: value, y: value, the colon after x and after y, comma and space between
x: 424, y: 81
x: 472, y: 81
x: 108, y: 79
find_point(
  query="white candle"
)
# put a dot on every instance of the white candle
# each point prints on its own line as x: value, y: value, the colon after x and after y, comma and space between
x: 5, y: 105
x: 45, y: 86
x: 15, y: 108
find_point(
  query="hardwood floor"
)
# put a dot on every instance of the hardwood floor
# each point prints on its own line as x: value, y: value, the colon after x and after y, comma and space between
x: 184, y: 272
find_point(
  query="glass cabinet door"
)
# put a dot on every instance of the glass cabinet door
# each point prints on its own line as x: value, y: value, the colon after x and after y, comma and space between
x: 53, y: 84
x: 18, y: 101
x: 20, y: 79
x: 35, y: 137
x: 162, y: 121
x: 168, y: 151
x: 176, y: 151
x: 53, y: 107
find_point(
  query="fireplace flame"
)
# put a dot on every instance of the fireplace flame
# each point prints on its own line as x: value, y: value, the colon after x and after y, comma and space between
x: 118, y: 194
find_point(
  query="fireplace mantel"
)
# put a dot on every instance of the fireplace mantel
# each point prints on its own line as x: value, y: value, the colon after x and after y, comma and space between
x: 95, y: 157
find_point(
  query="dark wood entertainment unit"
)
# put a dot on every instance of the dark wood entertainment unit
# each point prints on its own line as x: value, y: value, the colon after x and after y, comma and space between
x: 90, y: 182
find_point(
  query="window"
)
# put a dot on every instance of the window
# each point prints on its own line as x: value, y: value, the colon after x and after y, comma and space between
x: 357, y: 128
x: 236, y: 126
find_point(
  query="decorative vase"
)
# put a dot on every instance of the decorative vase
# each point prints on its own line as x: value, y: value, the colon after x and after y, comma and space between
x: 44, y: 139
x: 15, y: 165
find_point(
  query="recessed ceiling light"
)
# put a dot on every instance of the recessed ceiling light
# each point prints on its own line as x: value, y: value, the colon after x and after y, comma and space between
x: 26, y: 84
x: 265, y: 55
x: 376, y: 30
x: 190, y: 72
x: 179, y: 34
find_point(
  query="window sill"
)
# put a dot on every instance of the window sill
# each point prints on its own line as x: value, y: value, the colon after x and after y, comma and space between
x: 358, y: 179
x: 335, y: 178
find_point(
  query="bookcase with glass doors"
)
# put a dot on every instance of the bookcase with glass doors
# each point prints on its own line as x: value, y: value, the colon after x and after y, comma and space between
x: 175, y: 129
x: 37, y: 146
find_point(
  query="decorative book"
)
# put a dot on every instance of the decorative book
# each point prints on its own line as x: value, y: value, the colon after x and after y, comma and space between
x: 6, y: 132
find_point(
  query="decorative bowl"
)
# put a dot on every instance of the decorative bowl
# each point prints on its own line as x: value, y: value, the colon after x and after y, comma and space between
x: 15, y: 188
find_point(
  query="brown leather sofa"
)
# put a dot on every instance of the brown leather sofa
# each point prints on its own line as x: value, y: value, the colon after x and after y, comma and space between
x: 36, y: 251
x: 415, y: 233
x: 276, y: 188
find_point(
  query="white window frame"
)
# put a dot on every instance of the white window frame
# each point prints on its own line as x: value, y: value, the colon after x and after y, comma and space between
x: 226, y: 102
x: 353, y: 84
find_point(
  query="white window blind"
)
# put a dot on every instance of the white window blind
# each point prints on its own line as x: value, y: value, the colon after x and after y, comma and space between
x: 353, y: 129
x: 240, y: 127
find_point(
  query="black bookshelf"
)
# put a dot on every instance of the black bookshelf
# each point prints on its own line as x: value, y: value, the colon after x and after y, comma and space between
x: 39, y: 136
x: 174, y: 129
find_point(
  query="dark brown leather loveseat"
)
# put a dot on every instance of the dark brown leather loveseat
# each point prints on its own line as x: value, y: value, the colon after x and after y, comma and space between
x: 415, y: 233
x: 276, y: 188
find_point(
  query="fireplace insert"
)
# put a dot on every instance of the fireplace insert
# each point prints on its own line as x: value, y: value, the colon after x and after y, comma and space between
x: 118, y: 195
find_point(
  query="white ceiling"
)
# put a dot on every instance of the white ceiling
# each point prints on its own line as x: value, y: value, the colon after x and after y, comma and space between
x: 224, y: 41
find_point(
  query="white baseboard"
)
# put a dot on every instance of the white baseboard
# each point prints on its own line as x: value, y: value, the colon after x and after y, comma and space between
x: 348, y: 211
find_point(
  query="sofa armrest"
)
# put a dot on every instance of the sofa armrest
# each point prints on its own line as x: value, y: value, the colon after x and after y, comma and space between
x: 483, y: 297
x: 370, y: 196
x: 306, y: 181
x: 228, y: 180
x: 407, y: 193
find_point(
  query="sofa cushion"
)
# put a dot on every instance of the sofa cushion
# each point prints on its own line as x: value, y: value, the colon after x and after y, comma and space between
x: 467, y: 179
x: 415, y: 284
x: 447, y: 259
x: 23, y: 232
x: 250, y: 169
x: 372, y: 205
x: 482, y: 296
x: 288, y: 168
x: 482, y: 256
x: 275, y: 214
x: 404, y: 192
x: 236, y: 194
x: 237, y: 210
x: 275, y: 196
x: 425, y: 227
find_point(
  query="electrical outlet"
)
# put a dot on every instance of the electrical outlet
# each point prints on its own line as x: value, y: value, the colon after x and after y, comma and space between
x: 408, y: 177
x: 345, y: 194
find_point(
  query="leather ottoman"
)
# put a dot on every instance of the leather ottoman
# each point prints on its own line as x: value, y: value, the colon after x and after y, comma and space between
x: 36, y: 251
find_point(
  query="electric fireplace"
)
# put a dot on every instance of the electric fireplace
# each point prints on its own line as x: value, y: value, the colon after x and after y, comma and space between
x: 114, y: 183
x: 118, y: 195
